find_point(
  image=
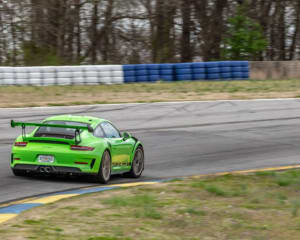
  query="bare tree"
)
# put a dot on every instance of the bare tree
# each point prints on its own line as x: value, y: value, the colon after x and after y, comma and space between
x: 38, y: 32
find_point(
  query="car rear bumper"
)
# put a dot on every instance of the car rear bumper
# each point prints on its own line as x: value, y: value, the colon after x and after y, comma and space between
x: 46, y: 169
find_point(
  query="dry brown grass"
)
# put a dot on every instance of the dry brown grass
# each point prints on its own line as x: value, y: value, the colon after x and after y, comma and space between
x: 26, y: 96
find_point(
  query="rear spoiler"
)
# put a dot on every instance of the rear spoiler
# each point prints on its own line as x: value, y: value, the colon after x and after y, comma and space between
x: 24, y: 124
x: 77, y: 128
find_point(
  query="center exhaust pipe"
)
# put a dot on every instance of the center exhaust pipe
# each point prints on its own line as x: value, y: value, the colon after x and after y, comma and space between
x: 45, y: 169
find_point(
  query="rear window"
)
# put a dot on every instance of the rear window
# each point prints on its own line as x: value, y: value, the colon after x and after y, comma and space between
x: 68, y: 133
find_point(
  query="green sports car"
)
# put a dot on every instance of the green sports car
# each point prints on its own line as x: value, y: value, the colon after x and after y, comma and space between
x: 73, y: 145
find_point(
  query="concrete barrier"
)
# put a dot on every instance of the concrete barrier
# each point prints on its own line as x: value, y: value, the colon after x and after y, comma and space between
x: 267, y: 70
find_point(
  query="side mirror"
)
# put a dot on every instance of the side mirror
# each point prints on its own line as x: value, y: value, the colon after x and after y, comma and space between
x: 126, y: 136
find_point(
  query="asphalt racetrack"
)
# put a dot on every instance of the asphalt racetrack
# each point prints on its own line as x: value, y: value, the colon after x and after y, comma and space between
x: 180, y: 139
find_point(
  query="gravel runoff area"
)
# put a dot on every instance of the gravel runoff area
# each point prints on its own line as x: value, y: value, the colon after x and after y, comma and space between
x: 31, y: 96
x: 261, y: 205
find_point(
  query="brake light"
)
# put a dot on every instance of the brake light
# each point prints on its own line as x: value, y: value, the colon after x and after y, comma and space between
x: 20, y: 144
x: 81, y: 148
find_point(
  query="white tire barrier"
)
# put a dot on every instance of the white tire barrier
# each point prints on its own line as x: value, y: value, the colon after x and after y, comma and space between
x: 62, y: 75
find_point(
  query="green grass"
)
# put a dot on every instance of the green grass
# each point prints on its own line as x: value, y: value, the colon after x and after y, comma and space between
x: 216, y: 190
x: 140, y: 200
x: 32, y: 96
x: 191, y: 211
x: 262, y: 205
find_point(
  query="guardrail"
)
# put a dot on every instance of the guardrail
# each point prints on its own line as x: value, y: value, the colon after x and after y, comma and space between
x: 118, y: 74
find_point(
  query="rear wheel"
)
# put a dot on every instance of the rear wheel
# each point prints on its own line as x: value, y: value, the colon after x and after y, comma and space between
x: 104, y: 172
x: 137, y: 166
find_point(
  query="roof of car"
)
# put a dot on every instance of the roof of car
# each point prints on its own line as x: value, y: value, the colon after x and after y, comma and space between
x: 93, y: 121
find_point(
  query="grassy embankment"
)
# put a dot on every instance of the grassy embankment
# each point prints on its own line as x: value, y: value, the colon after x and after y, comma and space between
x: 258, y: 206
x: 30, y: 96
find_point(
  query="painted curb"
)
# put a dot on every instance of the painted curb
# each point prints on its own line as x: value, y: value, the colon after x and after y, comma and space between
x: 12, y: 209
x: 268, y: 169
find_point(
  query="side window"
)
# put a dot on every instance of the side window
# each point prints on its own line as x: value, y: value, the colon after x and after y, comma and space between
x: 110, y: 131
x: 99, y: 132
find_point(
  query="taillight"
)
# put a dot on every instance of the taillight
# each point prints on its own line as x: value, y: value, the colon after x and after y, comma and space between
x: 81, y: 148
x: 20, y: 144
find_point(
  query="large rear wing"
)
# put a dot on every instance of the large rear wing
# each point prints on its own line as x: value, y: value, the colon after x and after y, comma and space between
x: 24, y: 124
x: 77, y: 128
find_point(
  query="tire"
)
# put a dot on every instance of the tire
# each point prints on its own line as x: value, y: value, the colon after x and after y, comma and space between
x: 104, y: 172
x: 136, y: 170
x: 184, y: 77
x: 19, y: 173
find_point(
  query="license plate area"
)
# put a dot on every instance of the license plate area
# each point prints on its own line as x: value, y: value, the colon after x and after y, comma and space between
x: 46, y: 158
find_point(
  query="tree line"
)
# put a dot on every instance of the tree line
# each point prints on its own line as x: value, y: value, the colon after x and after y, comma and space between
x: 61, y: 32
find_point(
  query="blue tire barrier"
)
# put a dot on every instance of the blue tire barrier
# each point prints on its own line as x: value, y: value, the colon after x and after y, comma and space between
x: 213, y: 70
x: 226, y: 75
x: 182, y: 65
x: 199, y: 76
x: 211, y: 64
x: 166, y: 72
x: 129, y: 73
x: 245, y: 69
x: 225, y: 64
x: 130, y: 67
x: 129, y: 79
x: 236, y: 69
x: 184, y: 77
x: 245, y: 75
x: 198, y: 65
x: 153, y: 71
x: 141, y: 72
x: 235, y: 63
x: 213, y: 76
x: 167, y: 77
x: 141, y: 67
x: 225, y: 69
x: 186, y: 71
x: 237, y: 75
x: 154, y: 78
x: 166, y: 66
x: 142, y: 78
x: 182, y: 71
x: 198, y: 70
x: 244, y: 63
x: 153, y: 66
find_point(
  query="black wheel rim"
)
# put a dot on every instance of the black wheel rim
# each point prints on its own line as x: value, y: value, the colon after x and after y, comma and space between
x: 138, y: 162
x: 106, y: 166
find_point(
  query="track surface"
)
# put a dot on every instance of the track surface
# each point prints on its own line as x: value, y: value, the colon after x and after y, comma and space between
x: 180, y: 139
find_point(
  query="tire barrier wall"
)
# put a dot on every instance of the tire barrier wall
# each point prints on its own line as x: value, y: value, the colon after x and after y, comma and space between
x: 118, y: 74
x: 225, y: 70
x: 62, y: 75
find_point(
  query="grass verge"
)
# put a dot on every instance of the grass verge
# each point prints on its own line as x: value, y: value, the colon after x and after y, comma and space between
x: 32, y: 96
x: 262, y: 205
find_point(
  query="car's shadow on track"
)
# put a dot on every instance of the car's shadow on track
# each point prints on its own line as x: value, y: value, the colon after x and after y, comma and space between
x: 115, y: 179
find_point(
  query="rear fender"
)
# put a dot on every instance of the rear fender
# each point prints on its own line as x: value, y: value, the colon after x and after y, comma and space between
x: 105, y: 147
x: 137, y: 144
